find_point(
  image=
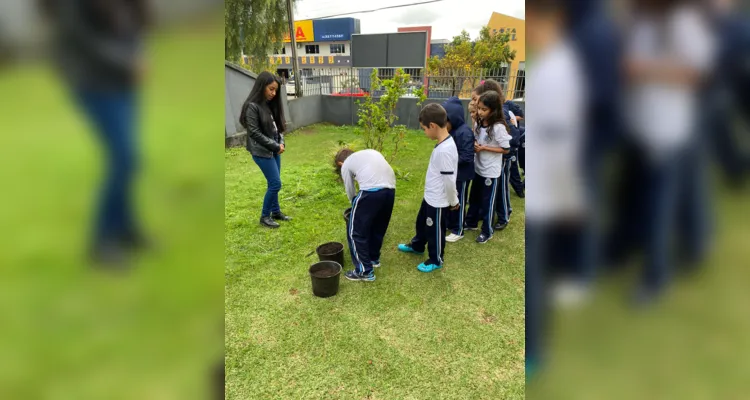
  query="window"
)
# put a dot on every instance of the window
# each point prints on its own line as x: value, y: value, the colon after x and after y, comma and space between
x: 312, y: 49
x: 280, y: 51
x: 415, y: 74
x: 306, y: 71
x: 386, y: 73
x: 338, y: 48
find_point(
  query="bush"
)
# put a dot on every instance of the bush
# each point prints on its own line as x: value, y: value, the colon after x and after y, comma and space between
x: 377, y: 118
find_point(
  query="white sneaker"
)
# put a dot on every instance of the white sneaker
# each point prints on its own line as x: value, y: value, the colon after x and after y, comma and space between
x: 570, y: 294
x: 453, y: 238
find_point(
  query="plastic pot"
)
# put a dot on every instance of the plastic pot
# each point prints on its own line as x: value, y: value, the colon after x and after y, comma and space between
x: 325, y: 276
x: 331, y: 251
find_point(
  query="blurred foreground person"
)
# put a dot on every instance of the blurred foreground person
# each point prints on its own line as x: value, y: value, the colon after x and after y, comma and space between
x: 555, y: 200
x: 669, y: 52
x: 729, y: 91
x: 98, y: 51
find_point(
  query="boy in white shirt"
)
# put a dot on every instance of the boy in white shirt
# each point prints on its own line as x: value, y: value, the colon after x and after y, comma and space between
x: 371, y: 207
x: 440, y: 194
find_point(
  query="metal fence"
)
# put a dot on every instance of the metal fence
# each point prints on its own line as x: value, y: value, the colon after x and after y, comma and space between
x: 439, y: 84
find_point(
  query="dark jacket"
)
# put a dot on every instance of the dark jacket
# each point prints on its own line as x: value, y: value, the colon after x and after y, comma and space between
x: 263, y: 140
x: 515, y: 133
x: 463, y: 136
x: 98, y: 45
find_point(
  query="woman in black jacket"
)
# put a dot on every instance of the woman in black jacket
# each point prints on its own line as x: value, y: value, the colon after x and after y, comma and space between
x: 263, y: 118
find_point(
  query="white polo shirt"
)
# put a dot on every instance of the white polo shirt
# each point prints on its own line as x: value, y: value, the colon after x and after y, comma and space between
x: 440, y: 182
x: 486, y: 163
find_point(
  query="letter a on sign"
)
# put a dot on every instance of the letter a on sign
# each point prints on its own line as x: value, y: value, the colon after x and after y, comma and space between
x: 299, y: 34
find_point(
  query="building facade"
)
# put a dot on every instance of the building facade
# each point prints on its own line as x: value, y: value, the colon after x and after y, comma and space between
x: 321, y: 44
x: 516, y: 29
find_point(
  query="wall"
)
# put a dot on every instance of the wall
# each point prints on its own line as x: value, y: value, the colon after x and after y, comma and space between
x: 305, y: 111
x: 343, y: 110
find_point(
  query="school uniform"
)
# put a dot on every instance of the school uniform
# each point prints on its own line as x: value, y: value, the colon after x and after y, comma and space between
x: 517, y: 149
x: 665, y: 142
x: 371, y: 206
x: 502, y: 205
x: 554, y: 193
x: 439, y: 196
x: 488, y: 167
x: 464, y: 139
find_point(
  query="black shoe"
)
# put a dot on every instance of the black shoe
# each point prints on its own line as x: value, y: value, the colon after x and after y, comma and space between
x: 482, y: 238
x: 645, y: 296
x: 499, y: 226
x: 137, y: 242
x: 353, y: 276
x: 268, y: 222
x: 470, y: 228
x: 280, y: 216
x: 112, y: 255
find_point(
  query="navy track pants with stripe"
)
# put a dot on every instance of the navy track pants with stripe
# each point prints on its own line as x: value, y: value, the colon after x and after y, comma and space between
x: 431, y: 225
x: 456, y: 217
x: 482, y: 200
x: 502, y: 204
x: 368, y: 223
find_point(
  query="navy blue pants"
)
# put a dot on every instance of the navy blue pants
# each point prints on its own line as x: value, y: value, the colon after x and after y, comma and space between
x: 482, y: 199
x: 537, y: 305
x: 515, y: 174
x: 114, y: 116
x: 371, y: 214
x: 502, y: 205
x: 431, y: 225
x: 271, y: 168
x: 456, y: 217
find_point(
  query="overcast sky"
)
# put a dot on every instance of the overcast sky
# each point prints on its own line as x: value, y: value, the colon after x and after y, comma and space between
x: 447, y: 17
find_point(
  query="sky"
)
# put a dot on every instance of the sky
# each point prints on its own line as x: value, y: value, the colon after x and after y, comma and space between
x: 447, y: 17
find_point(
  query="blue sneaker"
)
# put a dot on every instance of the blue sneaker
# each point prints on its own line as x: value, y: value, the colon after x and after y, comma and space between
x: 353, y: 276
x: 428, y: 267
x: 376, y: 264
x: 407, y: 249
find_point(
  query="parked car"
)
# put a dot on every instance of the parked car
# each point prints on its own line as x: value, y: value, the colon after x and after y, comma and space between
x: 310, y: 85
x: 351, y: 93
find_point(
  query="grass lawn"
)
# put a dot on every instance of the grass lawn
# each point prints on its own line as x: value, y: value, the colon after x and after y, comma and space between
x: 454, y: 334
x: 691, y: 345
x: 67, y: 332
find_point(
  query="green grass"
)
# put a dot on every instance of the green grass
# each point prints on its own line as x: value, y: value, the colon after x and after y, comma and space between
x: 67, y: 332
x: 691, y: 345
x: 456, y: 333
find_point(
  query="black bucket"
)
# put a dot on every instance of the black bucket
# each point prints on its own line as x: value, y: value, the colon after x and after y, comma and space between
x: 325, y: 277
x: 331, y: 251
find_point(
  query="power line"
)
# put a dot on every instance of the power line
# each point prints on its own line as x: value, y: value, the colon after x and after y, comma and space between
x: 378, y: 9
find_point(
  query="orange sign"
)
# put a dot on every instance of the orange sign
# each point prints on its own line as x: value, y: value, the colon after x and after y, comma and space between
x: 330, y: 59
x: 320, y: 60
x: 304, y: 60
x: 303, y: 32
x: 287, y: 59
x: 312, y: 60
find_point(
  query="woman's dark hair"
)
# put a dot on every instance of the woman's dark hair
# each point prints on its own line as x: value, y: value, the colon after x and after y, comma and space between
x: 341, y: 156
x: 494, y: 101
x: 257, y: 95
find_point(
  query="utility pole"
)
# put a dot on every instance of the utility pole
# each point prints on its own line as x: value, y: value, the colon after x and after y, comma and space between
x: 292, y: 36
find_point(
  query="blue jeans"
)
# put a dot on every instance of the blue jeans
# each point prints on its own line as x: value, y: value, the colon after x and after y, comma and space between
x: 271, y: 168
x: 113, y: 115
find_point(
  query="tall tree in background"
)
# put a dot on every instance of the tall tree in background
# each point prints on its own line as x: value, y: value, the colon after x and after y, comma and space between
x: 467, y: 62
x: 255, y: 26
